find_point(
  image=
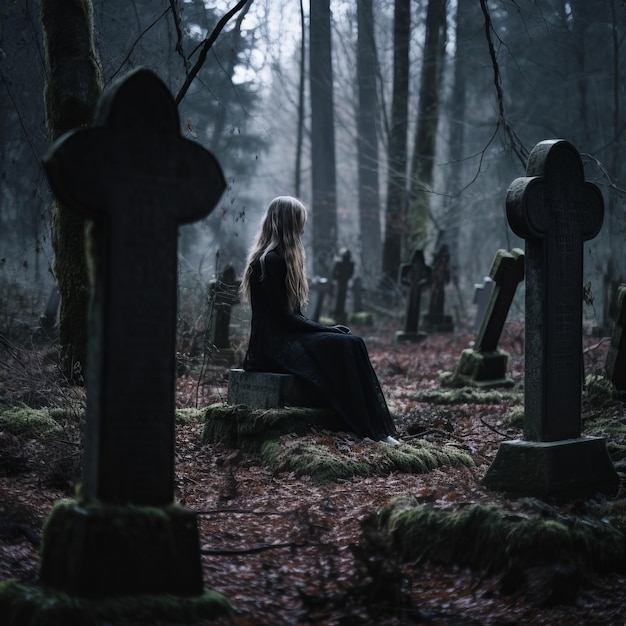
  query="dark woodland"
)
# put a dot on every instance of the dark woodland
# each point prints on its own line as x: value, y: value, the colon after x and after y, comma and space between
x: 411, y: 131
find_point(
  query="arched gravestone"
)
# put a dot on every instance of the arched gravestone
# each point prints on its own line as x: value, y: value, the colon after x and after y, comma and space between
x: 138, y: 179
x: 555, y: 210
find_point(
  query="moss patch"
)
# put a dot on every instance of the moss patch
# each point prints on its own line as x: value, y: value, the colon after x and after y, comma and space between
x: 22, y: 421
x: 488, y: 538
x: 37, y: 605
x: 286, y: 441
x: 465, y: 395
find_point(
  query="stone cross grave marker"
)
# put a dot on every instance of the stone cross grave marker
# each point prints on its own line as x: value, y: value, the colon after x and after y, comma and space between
x: 616, y: 356
x: 224, y: 294
x: 133, y: 173
x: 416, y: 276
x: 137, y: 179
x: 436, y: 320
x: 343, y: 270
x: 555, y: 210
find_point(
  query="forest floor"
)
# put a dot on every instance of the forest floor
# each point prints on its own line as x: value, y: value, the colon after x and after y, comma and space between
x: 285, y: 550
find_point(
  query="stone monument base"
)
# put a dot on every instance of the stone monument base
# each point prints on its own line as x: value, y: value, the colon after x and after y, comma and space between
x: 101, y: 551
x: 438, y: 323
x: 413, y: 336
x: 552, y: 468
x: 266, y: 390
x: 29, y: 602
x: 481, y: 369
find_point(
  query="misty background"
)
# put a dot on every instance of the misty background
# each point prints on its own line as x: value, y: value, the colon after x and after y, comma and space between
x: 411, y: 158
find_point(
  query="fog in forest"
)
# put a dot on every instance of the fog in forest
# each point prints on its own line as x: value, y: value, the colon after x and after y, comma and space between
x: 485, y: 81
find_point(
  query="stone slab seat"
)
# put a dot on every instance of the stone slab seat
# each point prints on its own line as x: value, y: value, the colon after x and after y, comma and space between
x: 267, y: 390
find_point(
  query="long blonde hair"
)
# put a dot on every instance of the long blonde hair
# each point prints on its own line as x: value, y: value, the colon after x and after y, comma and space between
x: 281, y: 230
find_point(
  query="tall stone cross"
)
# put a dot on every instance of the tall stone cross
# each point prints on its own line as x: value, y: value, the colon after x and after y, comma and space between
x: 135, y: 176
x: 555, y: 210
x: 415, y: 275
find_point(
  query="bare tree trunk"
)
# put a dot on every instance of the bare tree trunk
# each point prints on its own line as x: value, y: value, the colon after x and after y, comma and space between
x: 395, y: 216
x: 367, y: 143
x: 300, y: 136
x: 72, y: 89
x: 419, y: 218
x: 324, y: 191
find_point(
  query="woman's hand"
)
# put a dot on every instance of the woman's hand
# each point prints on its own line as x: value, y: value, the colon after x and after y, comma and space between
x: 344, y: 330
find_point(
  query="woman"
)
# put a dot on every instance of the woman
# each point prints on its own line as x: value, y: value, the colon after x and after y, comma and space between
x: 330, y: 359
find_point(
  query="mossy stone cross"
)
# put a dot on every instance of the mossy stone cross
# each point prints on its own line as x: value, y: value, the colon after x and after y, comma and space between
x: 138, y: 179
x: 555, y: 210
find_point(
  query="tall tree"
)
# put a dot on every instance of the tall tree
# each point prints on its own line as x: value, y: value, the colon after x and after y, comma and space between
x: 72, y: 88
x: 367, y: 142
x: 421, y: 178
x: 395, y: 215
x: 324, y: 186
x: 300, y: 121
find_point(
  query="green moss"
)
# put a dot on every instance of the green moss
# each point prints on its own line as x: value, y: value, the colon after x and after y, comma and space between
x: 485, y: 537
x: 286, y: 441
x: 37, y: 605
x: 26, y: 422
x: 599, y: 391
x: 99, y: 550
x: 465, y: 395
x: 190, y: 415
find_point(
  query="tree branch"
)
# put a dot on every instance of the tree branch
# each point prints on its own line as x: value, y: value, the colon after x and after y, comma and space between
x: 206, y: 47
x: 179, y: 34
x: 516, y: 144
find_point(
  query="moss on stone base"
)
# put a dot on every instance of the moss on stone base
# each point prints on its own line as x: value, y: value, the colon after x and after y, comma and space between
x: 97, y: 551
x: 479, y: 369
x: 33, y: 604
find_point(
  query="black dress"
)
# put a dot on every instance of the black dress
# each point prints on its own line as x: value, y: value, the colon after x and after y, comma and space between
x: 333, y: 363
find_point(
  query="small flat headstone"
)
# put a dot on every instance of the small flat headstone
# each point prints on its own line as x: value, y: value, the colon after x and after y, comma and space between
x: 267, y: 390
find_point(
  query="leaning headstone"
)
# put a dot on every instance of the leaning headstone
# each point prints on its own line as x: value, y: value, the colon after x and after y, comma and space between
x: 138, y: 179
x: 485, y: 365
x: 436, y: 320
x: 616, y: 356
x: 223, y: 295
x: 342, y: 273
x: 555, y: 210
x: 482, y: 295
x: 416, y: 276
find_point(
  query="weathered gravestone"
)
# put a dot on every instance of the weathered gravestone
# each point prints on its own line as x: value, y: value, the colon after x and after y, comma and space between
x: 321, y: 287
x: 482, y: 295
x: 223, y: 294
x: 342, y: 273
x: 359, y: 316
x: 554, y: 209
x: 616, y: 356
x: 135, y: 176
x: 436, y: 321
x: 485, y: 364
x: 416, y: 276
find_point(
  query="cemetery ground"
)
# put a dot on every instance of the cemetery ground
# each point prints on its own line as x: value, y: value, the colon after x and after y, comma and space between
x: 287, y: 547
